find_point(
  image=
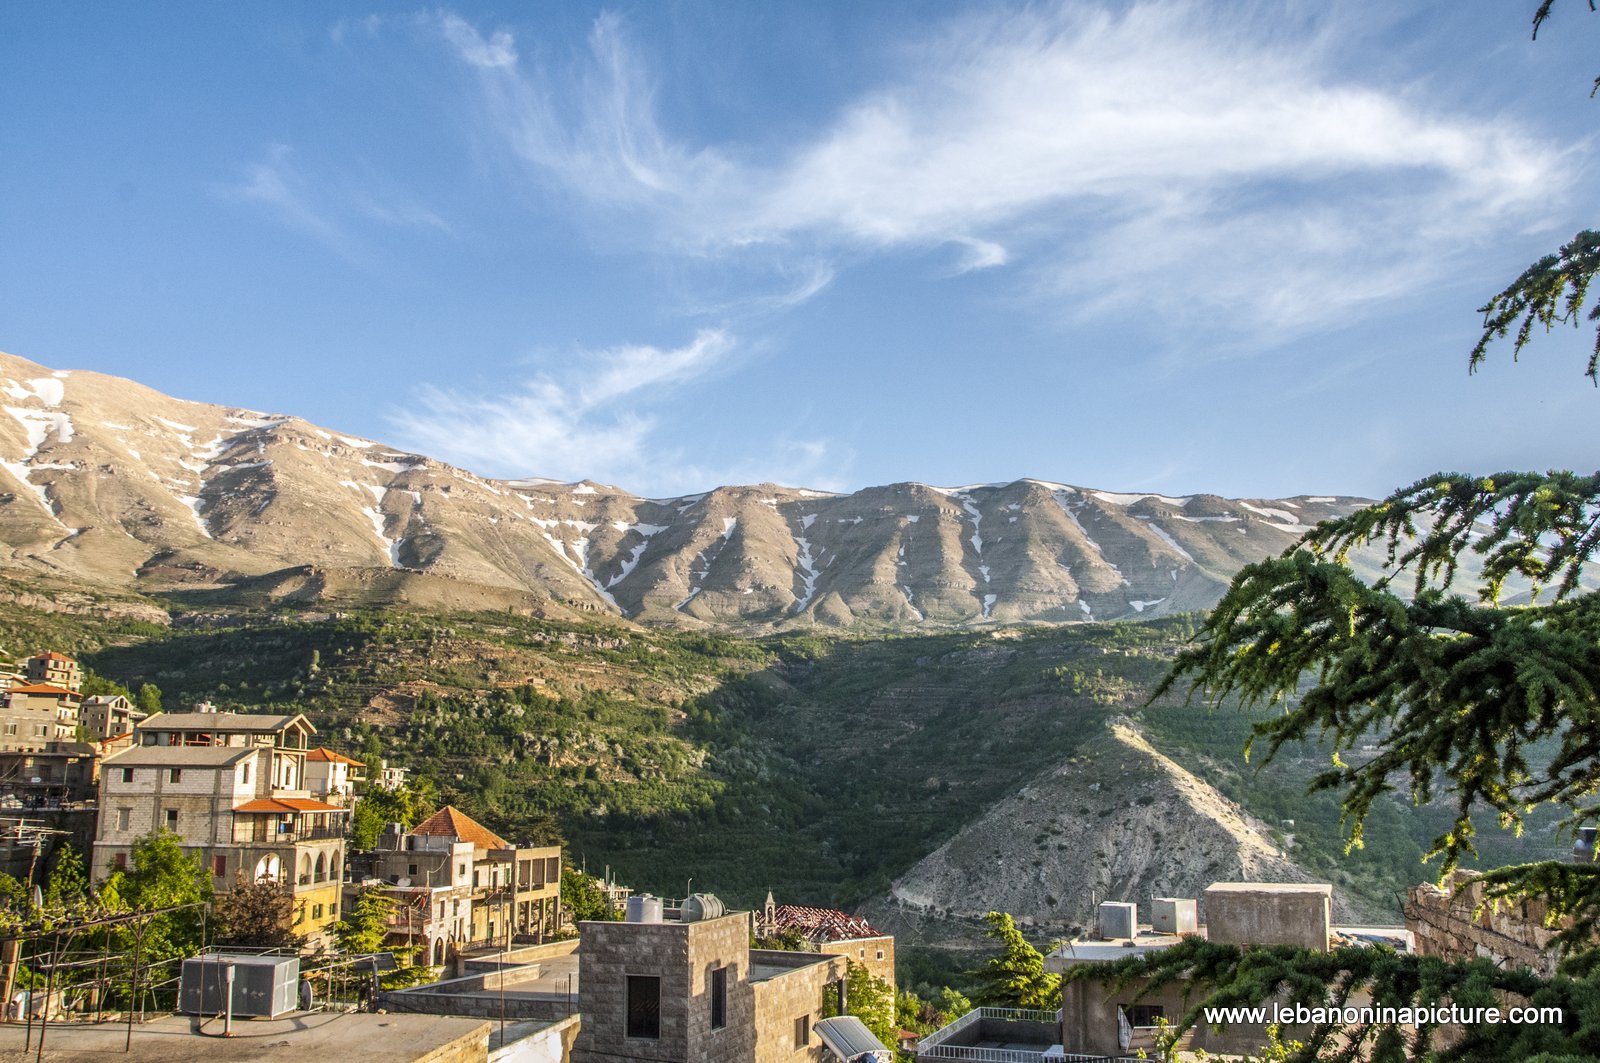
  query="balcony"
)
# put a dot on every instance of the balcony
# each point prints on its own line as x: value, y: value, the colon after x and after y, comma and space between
x: 245, y: 833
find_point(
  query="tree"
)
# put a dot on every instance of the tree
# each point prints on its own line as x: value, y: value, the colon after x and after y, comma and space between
x: 257, y: 914
x: 1015, y: 978
x: 1490, y: 704
x: 161, y: 875
x: 582, y: 896
x: 378, y: 808
x: 871, y: 1000
x: 149, y: 699
x: 364, y: 927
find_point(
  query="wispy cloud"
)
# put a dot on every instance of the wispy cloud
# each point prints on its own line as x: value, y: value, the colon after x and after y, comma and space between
x: 330, y: 211
x: 1228, y: 170
x: 592, y: 420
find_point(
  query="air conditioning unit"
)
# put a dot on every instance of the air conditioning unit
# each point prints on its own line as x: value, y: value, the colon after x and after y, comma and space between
x: 263, y: 986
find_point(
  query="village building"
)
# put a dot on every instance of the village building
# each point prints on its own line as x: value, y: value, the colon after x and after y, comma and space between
x: 833, y: 932
x: 54, y: 669
x: 691, y: 988
x: 107, y: 716
x: 458, y: 885
x: 232, y: 788
x: 32, y: 715
x: 332, y: 777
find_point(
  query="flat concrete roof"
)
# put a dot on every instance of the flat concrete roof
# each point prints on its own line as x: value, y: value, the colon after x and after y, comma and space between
x: 1093, y: 950
x: 346, y: 1037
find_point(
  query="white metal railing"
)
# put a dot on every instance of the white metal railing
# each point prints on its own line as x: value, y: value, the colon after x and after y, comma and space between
x: 935, y: 1046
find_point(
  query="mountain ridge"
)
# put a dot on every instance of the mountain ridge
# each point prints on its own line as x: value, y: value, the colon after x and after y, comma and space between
x: 119, y: 485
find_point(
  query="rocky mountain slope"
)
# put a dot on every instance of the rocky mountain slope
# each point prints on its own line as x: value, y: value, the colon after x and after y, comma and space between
x: 113, y: 483
x: 1118, y: 820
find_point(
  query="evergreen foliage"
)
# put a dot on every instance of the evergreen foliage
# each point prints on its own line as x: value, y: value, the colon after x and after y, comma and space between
x: 583, y: 898
x: 1015, y: 978
x: 364, y: 925
x: 872, y: 1001
x: 160, y: 875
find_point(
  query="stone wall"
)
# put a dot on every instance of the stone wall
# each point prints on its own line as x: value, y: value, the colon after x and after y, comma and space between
x: 1269, y: 913
x: 1512, y: 935
x: 875, y: 954
x: 784, y: 998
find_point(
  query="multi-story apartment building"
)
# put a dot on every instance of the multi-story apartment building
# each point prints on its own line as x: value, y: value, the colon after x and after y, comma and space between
x: 32, y: 715
x: 457, y: 884
x: 55, y: 669
x: 232, y: 787
x: 107, y: 716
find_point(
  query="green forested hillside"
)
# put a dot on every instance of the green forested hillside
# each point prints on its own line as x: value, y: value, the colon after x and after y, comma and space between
x: 818, y: 766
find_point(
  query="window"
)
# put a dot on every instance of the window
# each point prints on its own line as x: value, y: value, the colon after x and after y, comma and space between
x: 123, y: 816
x: 461, y: 871
x: 411, y: 869
x: 880, y: 954
x: 1145, y: 1015
x: 316, y: 911
x: 863, y: 952
x: 552, y: 869
x: 244, y: 774
x: 644, y: 1007
x: 127, y: 774
x: 119, y: 861
x: 219, y: 866
x: 11, y: 728
x: 172, y: 819
x: 719, y: 998
x: 175, y: 775
x: 802, y: 1031
x: 475, y: 876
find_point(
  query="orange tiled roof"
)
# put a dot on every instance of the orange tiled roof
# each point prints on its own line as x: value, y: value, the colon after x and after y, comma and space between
x: 449, y: 822
x: 52, y: 655
x: 45, y: 688
x: 286, y: 804
x: 331, y: 757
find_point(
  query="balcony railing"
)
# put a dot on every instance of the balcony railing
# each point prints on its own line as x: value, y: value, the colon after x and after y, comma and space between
x: 268, y: 834
x: 945, y: 1043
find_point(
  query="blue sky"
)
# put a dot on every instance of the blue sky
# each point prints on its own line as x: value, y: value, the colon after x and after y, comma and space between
x: 1180, y: 247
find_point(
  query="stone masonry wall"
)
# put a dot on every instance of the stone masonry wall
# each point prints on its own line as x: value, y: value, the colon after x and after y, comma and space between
x: 1512, y: 935
x: 783, y: 999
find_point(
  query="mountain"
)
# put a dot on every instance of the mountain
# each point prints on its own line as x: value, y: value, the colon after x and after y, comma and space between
x: 118, y: 485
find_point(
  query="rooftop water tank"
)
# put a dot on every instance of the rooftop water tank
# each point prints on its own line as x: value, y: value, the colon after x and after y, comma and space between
x: 701, y: 906
x: 1174, y: 915
x: 263, y: 986
x: 644, y: 908
x: 1118, y: 919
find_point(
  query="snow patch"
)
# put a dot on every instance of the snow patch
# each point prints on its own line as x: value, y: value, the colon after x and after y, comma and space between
x: 1120, y: 499
x: 359, y: 444
x: 20, y: 471
x: 1167, y: 538
x: 1322, y: 498
x: 50, y: 390
x: 988, y: 604
x: 1140, y: 607
x: 194, y: 508
x: 584, y: 489
x: 1276, y: 514
x: 39, y: 424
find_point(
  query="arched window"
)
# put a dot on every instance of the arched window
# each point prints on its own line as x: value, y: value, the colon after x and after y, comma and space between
x: 305, y: 868
x: 322, y: 867
x: 269, y: 867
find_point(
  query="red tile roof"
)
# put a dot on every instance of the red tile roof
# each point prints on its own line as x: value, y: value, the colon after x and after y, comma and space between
x: 52, y: 655
x: 45, y: 688
x: 331, y: 757
x: 286, y: 804
x: 823, y: 924
x: 450, y: 822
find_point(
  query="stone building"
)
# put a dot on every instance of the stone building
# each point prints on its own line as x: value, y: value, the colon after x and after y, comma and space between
x: 231, y: 787
x: 54, y: 669
x: 62, y: 773
x: 32, y: 715
x: 833, y: 932
x: 1098, y: 1019
x: 108, y: 715
x: 676, y: 992
x: 452, y: 882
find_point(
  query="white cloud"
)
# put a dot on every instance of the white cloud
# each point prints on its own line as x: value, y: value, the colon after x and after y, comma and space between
x: 587, y: 421
x: 328, y: 209
x: 1269, y: 186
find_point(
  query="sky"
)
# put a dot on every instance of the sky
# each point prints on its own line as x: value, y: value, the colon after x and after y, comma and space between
x: 1152, y: 246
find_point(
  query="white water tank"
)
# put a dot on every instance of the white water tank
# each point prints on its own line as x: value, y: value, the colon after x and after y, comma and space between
x: 643, y: 908
x: 1118, y: 919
